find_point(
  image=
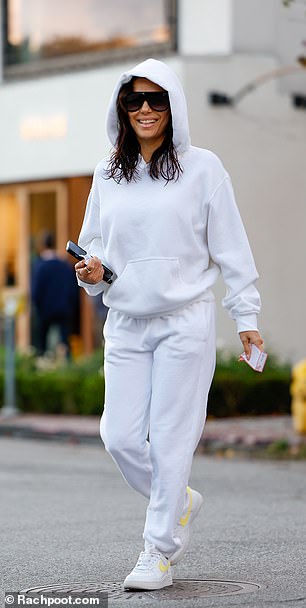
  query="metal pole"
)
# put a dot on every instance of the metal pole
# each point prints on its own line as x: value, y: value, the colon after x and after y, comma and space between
x: 9, y: 407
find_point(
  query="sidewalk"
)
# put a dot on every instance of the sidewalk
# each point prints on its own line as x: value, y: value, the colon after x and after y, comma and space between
x: 246, y: 434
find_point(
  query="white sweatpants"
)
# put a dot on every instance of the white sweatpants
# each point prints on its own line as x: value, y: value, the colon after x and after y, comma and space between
x: 157, y: 376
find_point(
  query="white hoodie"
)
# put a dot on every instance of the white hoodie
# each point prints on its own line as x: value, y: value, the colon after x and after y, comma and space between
x: 167, y: 243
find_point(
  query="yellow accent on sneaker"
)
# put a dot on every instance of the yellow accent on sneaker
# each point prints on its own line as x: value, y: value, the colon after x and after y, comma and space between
x: 162, y: 567
x: 184, y: 520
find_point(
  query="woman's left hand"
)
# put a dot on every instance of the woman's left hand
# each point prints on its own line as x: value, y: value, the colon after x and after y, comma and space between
x: 248, y: 338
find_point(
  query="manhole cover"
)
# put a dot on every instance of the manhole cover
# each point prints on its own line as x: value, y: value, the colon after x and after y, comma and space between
x: 181, y: 589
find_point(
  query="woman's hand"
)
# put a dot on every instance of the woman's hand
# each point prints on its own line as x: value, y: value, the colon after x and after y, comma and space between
x: 248, y: 338
x: 92, y: 272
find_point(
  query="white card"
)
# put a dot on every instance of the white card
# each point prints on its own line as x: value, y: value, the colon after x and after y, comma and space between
x: 257, y: 359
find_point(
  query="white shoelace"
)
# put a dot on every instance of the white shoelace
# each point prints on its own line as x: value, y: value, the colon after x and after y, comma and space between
x: 147, y: 560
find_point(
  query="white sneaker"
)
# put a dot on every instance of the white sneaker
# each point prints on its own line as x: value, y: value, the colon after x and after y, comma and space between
x: 152, y: 571
x: 183, y: 527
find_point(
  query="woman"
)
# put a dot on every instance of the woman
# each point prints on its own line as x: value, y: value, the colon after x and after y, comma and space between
x: 161, y: 214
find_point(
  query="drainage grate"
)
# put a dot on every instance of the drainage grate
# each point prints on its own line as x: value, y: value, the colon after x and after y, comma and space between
x: 182, y: 589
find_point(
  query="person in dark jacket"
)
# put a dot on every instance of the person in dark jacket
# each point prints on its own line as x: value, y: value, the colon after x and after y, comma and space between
x: 54, y: 294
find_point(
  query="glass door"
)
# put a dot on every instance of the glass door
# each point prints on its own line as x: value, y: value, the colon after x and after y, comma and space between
x: 26, y: 211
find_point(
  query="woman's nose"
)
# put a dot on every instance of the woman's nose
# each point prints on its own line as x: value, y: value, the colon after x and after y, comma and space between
x: 145, y: 107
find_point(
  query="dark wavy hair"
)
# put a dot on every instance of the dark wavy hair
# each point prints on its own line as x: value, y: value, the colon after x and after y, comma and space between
x: 124, y: 159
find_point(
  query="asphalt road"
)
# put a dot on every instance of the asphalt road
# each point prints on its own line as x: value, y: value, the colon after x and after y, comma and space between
x: 67, y: 516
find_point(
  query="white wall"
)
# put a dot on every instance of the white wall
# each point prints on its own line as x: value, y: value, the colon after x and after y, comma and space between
x: 267, y: 26
x: 262, y: 143
x: 291, y: 44
x: 79, y: 97
x: 254, y: 25
x: 204, y: 27
x: 78, y: 101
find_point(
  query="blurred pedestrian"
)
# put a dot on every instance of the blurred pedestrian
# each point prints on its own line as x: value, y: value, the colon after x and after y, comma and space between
x: 162, y: 215
x: 54, y: 295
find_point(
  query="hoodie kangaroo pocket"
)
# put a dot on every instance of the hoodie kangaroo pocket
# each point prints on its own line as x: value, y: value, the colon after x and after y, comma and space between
x: 147, y: 287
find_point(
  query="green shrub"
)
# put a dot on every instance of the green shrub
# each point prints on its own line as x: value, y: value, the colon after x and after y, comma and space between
x: 78, y: 387
x: 280, y: 447
x: 53, y: 391
x: 52, y: 387
x: 238, y: 390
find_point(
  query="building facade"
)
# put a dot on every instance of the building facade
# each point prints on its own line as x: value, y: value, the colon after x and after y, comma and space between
x: 60, y: 61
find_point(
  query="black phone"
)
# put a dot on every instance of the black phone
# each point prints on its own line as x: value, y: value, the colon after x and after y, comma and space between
x: 80, y: 254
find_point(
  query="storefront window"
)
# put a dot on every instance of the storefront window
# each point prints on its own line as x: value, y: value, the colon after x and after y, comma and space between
x: 41, y: 31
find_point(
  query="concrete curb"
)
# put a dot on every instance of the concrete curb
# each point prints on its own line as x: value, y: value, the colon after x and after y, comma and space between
x: 234, y: 435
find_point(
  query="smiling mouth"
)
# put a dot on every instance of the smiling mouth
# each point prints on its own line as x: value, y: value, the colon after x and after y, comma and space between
x: 150, y: 121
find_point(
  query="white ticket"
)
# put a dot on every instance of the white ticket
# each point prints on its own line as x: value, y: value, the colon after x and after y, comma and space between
x: 257, y: 359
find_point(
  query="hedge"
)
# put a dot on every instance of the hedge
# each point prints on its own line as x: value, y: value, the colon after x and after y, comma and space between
x: 250, y: 396
x: 58, y: 387
x: 78, y: 387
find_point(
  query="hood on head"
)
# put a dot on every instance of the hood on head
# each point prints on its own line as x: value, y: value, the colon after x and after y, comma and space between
x: 161, y: 74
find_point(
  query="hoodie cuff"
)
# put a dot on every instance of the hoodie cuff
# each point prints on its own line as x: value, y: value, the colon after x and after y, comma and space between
x: 246, y: 323
x: 92, y: 290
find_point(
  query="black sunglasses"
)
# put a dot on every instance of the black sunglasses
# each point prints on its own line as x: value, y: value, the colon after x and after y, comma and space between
x: 157, y: 100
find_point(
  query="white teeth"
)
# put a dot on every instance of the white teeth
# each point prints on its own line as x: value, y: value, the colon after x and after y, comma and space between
x: 146, y: 122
